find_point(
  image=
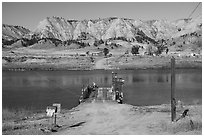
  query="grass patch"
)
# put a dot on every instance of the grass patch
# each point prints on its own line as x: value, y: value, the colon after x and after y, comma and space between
x: 18, y: 114
x: 13, y: 119
x: 182, y: 126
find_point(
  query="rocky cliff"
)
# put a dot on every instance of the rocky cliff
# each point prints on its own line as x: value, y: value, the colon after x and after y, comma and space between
x: 10, y: 32
x: 105, y: 29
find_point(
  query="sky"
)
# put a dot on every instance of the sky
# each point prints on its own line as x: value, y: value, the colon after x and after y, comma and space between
x: 29, y: 14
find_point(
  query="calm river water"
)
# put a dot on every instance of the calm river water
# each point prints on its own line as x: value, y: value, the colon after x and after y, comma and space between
x: 38, y: 89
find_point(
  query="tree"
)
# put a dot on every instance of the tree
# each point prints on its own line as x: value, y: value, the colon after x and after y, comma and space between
x: 95, y: 44
x: 106, y: 43
x: 105, y: 51
x: 92, y: 59
x: 135, y: 50
x: 87, y: 53
x: 100, y: 41
x: 160, y: 49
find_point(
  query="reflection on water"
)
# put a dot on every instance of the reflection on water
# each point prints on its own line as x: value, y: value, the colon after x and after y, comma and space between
x: 149, y: 78
x: 38, y: 89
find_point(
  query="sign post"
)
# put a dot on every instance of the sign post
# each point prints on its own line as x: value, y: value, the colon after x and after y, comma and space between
x: 52, y: 111
x: 58, y: 106
x: 173, y: 100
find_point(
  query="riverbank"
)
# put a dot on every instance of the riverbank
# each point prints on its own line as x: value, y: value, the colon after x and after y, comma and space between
x: 22, y: 63
x: 25, y: 59
x: 110, y: 118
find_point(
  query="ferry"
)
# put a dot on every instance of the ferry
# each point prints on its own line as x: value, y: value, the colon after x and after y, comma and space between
x: 95, y: 93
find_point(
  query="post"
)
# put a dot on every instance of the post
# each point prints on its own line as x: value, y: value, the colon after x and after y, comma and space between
x: 114, y: 80
x: 173, y: 100
x: 55, y: 119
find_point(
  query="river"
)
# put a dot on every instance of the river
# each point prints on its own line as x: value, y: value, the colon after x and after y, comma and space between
x: 38, y: 89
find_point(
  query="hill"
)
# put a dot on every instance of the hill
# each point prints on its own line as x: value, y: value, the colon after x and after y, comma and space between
x: 57, y: 41
x: 106, y: 29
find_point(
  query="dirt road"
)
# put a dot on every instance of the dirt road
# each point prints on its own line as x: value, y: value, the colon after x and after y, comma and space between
x: 101, y: 64
x: 102, y: 118
x: 111, y: 118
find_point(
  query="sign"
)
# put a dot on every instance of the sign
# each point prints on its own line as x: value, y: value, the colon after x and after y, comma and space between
x: 58, y: 107
x: 51, y: 110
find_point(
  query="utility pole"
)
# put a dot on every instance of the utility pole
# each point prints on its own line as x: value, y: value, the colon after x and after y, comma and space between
x: 173, y: 100
x: 114, y: 78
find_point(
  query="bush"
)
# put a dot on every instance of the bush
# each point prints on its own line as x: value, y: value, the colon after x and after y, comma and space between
x: 82, y: 44
x: 105, y: 51
x: 98, y: 42
x: 87, y: 53
x: 8, y: 42
x: 160, y: 49
x: 135, y: 50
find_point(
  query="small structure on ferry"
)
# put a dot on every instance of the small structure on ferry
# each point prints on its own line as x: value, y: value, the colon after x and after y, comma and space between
x: 113, y: 93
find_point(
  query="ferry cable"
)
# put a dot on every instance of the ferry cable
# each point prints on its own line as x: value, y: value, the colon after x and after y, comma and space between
x: 194, y: 10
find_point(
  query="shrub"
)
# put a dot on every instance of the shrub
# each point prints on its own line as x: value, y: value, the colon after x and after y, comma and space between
x: 160, y: 49
x: 105, y: 51
x: 135, y: 50
x: 8, y: 42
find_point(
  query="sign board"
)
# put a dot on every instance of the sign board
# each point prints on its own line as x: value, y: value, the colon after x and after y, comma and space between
x: 51, y: 110
x: 58, y: 107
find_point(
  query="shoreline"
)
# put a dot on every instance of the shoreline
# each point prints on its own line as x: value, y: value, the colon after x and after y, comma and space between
x: 40, y: 69
x: 100, y: 63
x: 89, y: 113
x: 14, y: 68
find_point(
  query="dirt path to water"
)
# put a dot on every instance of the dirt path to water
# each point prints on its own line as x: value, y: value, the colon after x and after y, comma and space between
x: 101, y: 64
x: 102, y: 118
